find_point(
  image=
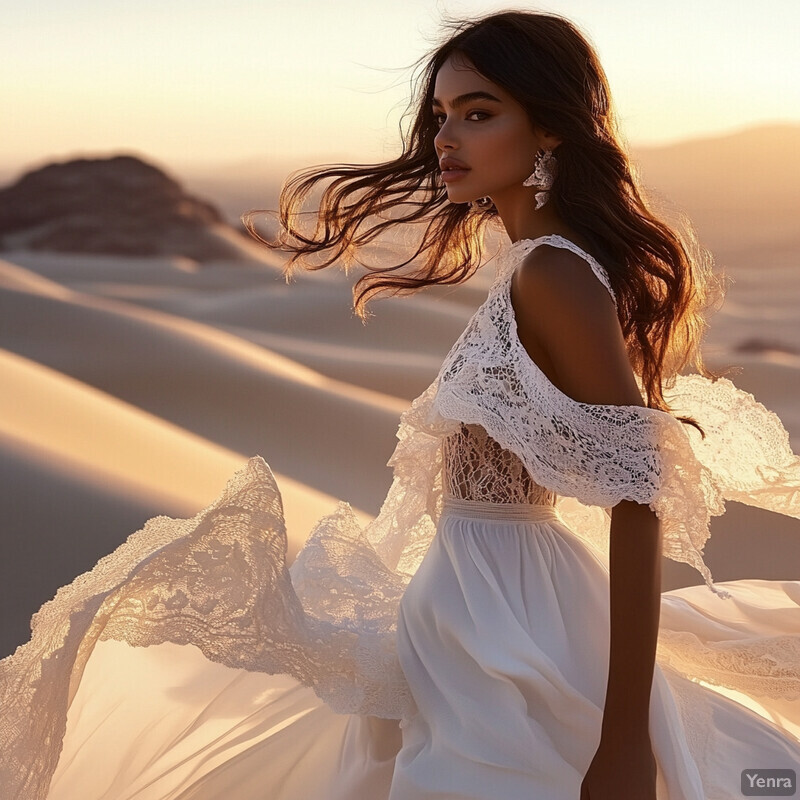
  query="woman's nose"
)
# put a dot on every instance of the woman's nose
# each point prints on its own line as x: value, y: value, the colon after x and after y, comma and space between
x: 445, y: 137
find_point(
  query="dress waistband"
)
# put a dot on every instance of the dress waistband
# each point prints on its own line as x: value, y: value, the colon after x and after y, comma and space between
x: 480, y: 509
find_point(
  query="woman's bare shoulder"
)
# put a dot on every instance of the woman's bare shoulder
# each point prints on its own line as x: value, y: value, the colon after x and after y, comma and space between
x: 568, y: 316
x: 554, y: 272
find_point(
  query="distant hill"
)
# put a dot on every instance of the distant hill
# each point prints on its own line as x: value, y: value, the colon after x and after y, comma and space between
x: 119, y: 205
x: 742, y: 190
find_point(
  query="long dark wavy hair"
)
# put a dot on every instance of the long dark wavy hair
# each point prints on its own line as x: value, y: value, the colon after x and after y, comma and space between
x: 660, y: 274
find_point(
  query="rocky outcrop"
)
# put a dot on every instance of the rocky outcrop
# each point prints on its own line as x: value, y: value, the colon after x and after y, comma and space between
x: 119, y: 205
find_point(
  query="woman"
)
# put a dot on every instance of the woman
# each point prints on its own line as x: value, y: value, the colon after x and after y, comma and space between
x: 491, y: 608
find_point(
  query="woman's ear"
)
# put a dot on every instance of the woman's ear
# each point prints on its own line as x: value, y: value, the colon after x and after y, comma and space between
x: 547, y: 140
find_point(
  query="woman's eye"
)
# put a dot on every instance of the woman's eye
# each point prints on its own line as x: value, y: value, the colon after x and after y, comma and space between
x: 440, y: 118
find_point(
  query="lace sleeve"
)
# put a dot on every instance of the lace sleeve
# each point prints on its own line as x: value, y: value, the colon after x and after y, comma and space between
x: 598, y: 454
x: 746, y: 447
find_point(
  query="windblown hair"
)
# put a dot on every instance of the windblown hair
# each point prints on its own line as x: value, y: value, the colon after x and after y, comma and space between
x: 661, y: 276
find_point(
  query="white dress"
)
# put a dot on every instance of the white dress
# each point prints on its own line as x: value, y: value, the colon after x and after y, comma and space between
x: 456, y: 648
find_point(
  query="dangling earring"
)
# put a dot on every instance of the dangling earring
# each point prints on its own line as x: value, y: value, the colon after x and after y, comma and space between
x: 543, y: 175
x: 481, y: 203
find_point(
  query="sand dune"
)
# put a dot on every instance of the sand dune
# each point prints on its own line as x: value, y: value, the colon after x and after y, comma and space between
x: 168, y: 272
x: 316, y: 309
x: 309, y: 321
x: 742, y: 204
x: 212, y: 383
x: 13, y: 276
x: 83, y: 431
x: 56, y: 525
x: 87, y: 469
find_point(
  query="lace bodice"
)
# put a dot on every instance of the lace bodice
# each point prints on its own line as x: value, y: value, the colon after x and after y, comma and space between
x: 476, y: 467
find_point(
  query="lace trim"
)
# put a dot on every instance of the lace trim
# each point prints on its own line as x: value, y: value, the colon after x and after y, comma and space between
x: 767, y: 667
x: 747, y: 449
x: 218, y: 581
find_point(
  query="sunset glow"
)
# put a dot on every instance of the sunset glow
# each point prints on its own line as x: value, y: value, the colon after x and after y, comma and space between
x: 206, y: 81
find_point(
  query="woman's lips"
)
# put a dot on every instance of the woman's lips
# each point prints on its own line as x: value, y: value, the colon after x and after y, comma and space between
x: 453, y: 174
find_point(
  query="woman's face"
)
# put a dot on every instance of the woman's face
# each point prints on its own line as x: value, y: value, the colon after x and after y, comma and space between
x: 486, y: 130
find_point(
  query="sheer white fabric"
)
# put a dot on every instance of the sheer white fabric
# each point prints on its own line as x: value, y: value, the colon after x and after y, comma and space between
x: 477, y: 468
x: 490, y: 428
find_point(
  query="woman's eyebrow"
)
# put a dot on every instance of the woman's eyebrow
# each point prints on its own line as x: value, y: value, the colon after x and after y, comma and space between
x: 466, y: 98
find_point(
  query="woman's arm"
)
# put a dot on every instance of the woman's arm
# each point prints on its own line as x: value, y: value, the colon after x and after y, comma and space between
x: 635, y: 564
x: 566, y: 318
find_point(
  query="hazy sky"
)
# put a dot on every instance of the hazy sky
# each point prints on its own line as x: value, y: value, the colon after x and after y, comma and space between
x: 226, y: 80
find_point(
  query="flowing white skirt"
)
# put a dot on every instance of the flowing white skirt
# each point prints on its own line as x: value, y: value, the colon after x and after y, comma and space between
x: 503, y: 638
